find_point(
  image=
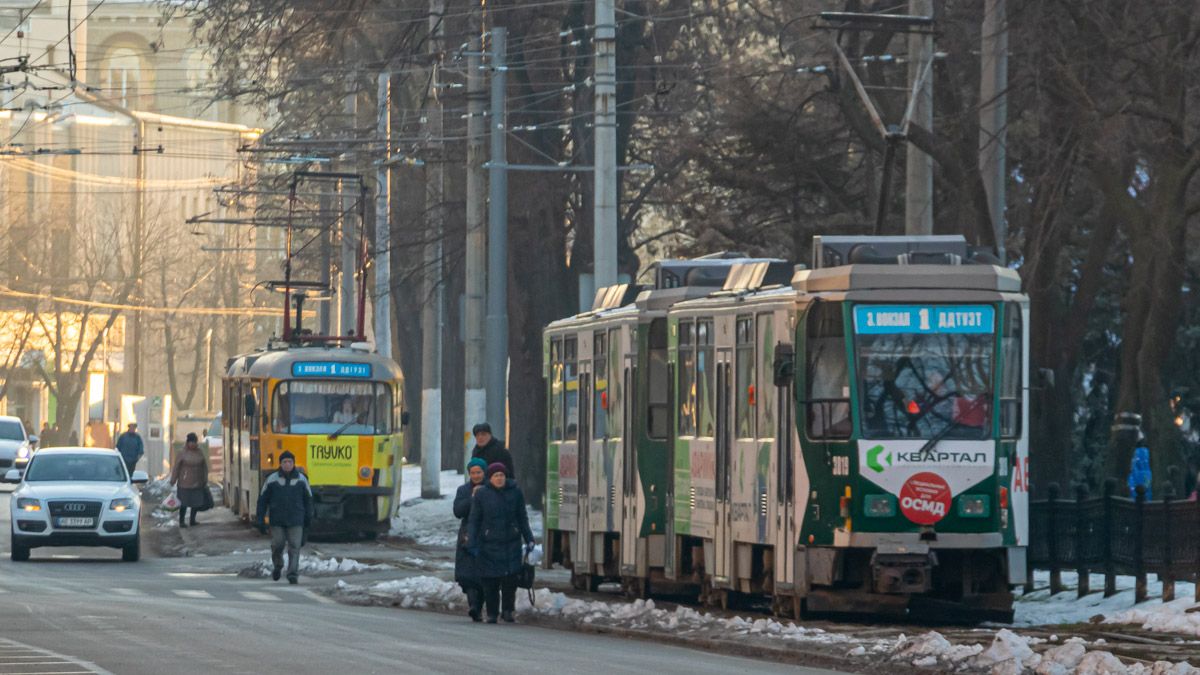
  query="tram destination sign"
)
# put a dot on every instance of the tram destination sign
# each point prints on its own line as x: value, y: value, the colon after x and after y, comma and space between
x: 331, y: 369
x: 924, y: 319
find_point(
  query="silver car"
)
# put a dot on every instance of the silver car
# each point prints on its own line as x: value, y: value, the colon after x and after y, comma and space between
x: 16, y: 446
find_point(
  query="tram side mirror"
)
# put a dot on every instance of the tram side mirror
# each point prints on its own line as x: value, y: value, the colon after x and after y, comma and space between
x: 404, y: 418
x: 251, y: 406
x: 784, y: 367
x: 1045, y: 378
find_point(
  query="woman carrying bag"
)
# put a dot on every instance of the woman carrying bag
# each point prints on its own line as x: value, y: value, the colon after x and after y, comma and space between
x: 190, y: 476
x: 466, y: 566
x: 498, y: 524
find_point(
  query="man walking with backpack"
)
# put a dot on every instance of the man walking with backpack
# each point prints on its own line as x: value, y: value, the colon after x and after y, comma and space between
x: 287, y: 498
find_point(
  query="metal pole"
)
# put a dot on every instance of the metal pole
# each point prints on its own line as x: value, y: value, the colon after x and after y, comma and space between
x: 918, y: 198
x: 993, y: 113
x: 431, y: 310
x: 604, y: 229
x: 383, y: 223
x: 346, y: 220
x: 325, y: 309
x: 475, y: 407
x: 139, y: 230
x: 497, y: 300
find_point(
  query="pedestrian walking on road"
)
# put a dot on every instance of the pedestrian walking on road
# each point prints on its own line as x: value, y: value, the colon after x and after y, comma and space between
x: 498, y: 524
x: 190, y: 478
x: 466, y: 566
x: 130, y: 445
x: 286, y: 499
x: 491, y: 449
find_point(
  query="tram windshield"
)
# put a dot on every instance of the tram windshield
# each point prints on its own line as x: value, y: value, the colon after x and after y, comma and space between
x: 347, y: 408
x: 925, y: 371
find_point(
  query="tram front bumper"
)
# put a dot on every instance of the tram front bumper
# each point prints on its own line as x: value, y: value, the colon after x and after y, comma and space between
x: 339, y: 509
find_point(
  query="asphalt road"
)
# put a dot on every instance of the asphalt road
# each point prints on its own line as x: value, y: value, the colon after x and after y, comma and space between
x: 79, y: 610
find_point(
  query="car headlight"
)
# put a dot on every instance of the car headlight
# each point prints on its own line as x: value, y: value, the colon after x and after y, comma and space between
x: 26, y: 504
x: 122, y: 504
x: 23, y: 452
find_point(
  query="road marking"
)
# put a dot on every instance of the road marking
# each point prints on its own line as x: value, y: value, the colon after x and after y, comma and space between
x: 259, y: 595
x: 128, y: 592
x: 199, y: 595
x: 9, y: 658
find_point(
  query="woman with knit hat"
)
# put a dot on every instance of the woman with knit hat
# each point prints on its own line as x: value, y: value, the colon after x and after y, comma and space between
x: 466, y: 566
x: 498, y: 523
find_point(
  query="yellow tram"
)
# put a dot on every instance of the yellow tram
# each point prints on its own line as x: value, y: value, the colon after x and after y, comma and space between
x: 338, y: 410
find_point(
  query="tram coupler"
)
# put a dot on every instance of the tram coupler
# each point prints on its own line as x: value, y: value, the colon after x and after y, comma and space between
x: 907, y: 571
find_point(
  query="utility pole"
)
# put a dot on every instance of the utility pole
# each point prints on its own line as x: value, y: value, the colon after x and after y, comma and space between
x: 431, y: 310
x: 476, y: 263
x: 993, y: 114
x: 383, y: 223
x: 497, y: 296
x: 604, y: 228
x: 346, y: 310
x: 325, y: 309
x: 918, y: 198
x: 139, y: 233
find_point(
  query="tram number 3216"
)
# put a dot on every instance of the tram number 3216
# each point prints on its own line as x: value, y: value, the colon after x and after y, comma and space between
x: 841, y: 465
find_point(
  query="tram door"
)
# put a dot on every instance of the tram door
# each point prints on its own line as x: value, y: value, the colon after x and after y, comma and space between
x: 629, y: 475
x: 786, y: 444
x: 582, y: 555
x: 723, y: 532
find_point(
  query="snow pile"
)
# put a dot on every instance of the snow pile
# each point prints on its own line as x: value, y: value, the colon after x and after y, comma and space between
x: 157, y: 489
x: 1013, y: 654
x: 316, y: 567
x: 431, y: 522
x: 1040, y: 608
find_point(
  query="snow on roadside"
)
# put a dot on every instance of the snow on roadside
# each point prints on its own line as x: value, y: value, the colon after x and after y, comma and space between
x: 1041, y: 608
x: 431, y: 522
x: 316, y: 567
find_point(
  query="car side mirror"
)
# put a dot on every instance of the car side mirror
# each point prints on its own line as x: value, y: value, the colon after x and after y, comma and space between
x: 139, y: 477
x: 12, y: 476
x: 784, y: 367
x: 251, y: 406
x: 33, y: 440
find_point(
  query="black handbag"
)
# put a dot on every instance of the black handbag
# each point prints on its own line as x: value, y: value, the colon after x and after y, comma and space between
x: 208, y: 500
x: 525, y: 576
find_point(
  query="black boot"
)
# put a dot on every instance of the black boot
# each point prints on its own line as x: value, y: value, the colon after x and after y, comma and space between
x: 192, y: 520
x: 475, y: 604
x: 183, y: 516
x: 507, y: 617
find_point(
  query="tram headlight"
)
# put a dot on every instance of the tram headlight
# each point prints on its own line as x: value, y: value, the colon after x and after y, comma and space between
x: 974, y: 506
x: 879, y: 506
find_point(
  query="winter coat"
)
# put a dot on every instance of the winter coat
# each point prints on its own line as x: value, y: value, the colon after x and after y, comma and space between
x: 190, y: 470
x: 466, y: 566
x: 494, y: 452
x: 131, y: 447
x: 287, y: 498
x: 1139, y: 471
x: 498, y: 523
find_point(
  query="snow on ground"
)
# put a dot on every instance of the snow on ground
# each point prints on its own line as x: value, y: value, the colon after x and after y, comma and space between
x: 316, y: 567
x: 1039, y: 607
x: 1008, y: 653
x: 431, y: 522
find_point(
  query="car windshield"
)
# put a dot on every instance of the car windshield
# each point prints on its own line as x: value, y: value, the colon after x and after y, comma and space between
x: 925, y: 371
x: 11, y: 431
x: 349, y: 408
x: 88, y: 468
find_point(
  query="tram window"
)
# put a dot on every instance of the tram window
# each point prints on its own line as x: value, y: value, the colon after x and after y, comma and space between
x: 687, y: 379
x: 1011, y: 369
x: 571, y: 390
x: 658, y: 404
x: 744, y: 378
x: 765, y: 405
x: 827, y: 372
x: 616, y: 391
x: 925, y: 385
x: 350, y: 408
x: 556, y: 390
x: 600, y: 390
x: 706, y: 380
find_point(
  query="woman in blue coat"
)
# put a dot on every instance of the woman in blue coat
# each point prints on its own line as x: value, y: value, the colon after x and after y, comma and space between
x: 498, y: 525
x: 466, y: 566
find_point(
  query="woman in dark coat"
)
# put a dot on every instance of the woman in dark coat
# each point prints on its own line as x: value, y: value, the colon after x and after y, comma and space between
x: 190, y: 476
x: 498, y: 524
x: 466, y: 566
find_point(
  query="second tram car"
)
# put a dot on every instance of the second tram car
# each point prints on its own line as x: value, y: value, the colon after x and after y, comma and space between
x: 851, y: 440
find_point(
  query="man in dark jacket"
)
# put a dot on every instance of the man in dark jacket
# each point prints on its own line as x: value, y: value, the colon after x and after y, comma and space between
x: 287, y: 498
x: 496, y: 526
x: 491, y: 449
x: 131, y: 447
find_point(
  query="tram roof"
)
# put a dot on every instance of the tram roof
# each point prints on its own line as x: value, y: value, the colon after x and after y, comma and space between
x: 596, y: 316
x: 894, y: 277
x: 278, y: 363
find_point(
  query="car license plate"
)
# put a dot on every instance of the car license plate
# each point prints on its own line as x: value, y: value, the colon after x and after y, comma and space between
x: 76, y: 522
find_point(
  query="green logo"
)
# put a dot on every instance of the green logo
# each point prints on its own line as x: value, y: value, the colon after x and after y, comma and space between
x: 873, y: 459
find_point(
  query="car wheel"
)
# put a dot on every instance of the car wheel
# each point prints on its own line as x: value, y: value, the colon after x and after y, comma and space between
x: 20, y: 553
x: 132, y: 552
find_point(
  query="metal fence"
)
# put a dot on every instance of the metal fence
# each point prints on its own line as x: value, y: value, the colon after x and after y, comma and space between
x: 1112, y: 535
